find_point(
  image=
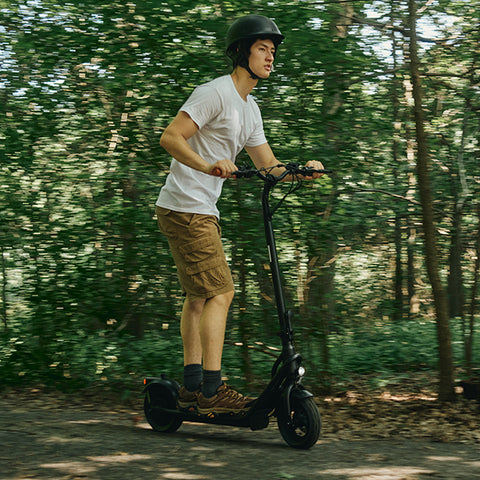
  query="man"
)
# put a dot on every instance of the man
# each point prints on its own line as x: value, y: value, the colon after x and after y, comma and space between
x: 218, y: 120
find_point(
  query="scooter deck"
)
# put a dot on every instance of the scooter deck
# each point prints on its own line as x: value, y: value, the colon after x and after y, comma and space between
x: 254, y: 419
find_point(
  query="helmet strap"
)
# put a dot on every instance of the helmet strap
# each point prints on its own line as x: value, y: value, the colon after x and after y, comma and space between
x: 253, y: 75
x: 245, y: 63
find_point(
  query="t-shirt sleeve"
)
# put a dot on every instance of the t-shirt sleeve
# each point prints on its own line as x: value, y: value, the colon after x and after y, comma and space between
x: 202, y: 105
x: 258, y: 135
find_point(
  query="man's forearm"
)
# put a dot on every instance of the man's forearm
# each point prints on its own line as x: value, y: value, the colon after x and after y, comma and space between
x: 178, y: 147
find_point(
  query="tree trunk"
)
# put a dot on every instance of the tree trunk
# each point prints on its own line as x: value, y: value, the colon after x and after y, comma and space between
x: 4, y: 287
x: 323, y: 280
x: 413, y: 300
x: 470, y: 328
x: 244, y: 323
x: 456, y: 295
x: 446, y: 386
x: 468, y: 332
x: 397, y: 313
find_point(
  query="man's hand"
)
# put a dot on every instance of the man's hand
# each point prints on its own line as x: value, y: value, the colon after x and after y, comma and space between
x: 222, y: 168
x: 316, y: 165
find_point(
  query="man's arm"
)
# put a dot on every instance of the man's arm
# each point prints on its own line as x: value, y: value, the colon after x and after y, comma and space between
x: 174, y: 141
x: 262, y: 156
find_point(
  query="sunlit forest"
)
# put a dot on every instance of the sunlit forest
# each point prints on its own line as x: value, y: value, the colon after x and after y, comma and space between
x: 380, y: 259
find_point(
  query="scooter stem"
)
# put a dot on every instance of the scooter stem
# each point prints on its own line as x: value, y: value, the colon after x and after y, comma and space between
x: 284, y: 317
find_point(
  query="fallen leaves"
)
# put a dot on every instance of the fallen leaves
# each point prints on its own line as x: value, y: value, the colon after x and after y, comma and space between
x: 406, y: 407
x: 398, y: 410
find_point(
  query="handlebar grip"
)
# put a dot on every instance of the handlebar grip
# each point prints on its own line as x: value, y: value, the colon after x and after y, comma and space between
x: 216, y: 172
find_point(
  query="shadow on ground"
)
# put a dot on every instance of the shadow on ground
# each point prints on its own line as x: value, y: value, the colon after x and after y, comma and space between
x: 62, y: 442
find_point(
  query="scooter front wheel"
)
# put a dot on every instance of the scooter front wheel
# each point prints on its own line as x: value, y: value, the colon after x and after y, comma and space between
x: 159, y: 397
x: 300, y: 428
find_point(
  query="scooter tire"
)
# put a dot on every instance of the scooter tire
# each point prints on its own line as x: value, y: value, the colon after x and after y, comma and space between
x: 158, y: 397
x: 301, y: 427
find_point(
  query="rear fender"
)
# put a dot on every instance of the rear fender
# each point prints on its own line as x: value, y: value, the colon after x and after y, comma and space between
x: 161, y: 386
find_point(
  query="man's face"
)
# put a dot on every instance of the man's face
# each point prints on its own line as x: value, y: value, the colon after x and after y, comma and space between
x: 261, y: 57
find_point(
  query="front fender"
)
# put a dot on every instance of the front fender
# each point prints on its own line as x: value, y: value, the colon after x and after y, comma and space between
x: 292, y: 393
x: 299, y: 392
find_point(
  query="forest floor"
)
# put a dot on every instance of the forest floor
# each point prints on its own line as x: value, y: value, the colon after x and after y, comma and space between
x: 396, y: 432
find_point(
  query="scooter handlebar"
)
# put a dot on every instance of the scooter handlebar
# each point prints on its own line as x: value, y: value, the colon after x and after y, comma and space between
x: 289, y: 169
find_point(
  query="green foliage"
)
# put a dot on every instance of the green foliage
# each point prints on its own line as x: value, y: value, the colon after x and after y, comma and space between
x: 87, y: 280
x: 78, y: 359
x: 390, y: 348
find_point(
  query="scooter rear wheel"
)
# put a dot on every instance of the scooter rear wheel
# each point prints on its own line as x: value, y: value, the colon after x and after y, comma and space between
x: 157, y: 398
x: 301, y: 428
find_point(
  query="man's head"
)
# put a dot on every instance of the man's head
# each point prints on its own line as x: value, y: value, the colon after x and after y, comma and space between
x: 246, y: 32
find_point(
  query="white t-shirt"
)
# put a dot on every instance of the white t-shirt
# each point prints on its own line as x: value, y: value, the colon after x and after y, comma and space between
x: 227, y: 124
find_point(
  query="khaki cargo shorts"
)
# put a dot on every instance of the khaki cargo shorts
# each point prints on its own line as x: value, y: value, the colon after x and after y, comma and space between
x: 196, y: 246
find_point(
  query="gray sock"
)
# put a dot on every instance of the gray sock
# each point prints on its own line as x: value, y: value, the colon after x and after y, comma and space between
x: 192, y: 376
x: 212, y: 379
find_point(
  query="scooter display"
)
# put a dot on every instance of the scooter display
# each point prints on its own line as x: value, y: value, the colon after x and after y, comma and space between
x: 284, y: 397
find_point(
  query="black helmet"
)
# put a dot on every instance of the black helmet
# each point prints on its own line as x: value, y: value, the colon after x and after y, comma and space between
x: 253, y: 27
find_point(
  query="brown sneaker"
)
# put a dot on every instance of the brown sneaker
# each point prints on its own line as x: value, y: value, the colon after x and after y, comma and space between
x: 187, y: 400
x: 226, y: 400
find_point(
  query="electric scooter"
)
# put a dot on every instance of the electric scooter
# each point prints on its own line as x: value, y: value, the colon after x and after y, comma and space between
x: 284, y: 397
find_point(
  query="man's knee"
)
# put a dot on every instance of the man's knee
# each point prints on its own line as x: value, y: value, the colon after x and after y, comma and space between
x: 224, y: 299
x: 230, y: 296
x: 195, y: 306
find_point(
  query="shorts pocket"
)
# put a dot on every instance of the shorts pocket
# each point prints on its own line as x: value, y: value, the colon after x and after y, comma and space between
x: 200, y: 255
x: 161, y: 210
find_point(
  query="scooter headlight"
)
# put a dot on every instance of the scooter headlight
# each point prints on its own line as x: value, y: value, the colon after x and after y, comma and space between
x: 301, y: 371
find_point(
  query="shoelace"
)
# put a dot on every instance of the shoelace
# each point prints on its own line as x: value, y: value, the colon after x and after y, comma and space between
x: 238, y: 397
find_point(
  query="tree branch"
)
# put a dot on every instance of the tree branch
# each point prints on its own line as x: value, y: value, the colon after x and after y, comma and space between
x: 394, y: 195
x: 259, y: 347
x: 390, y: 27
x: 385, y: 192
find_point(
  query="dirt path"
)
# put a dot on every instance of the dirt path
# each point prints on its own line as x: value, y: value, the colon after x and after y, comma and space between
x: 54, y: 440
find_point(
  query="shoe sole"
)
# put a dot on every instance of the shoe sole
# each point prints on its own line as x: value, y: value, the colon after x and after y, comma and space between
x: 191, y: 409
x: 187, y: 404
x: 219, y: 411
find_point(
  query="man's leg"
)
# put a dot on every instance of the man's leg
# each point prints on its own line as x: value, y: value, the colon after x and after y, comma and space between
x: 203, y: 330
x: 212, y: 333
x: 212, y: 329
x: 215, y: 396
x: 203, y: 334
x: 190, y: 330
x: 202, y: 326
x: 192, y: 345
